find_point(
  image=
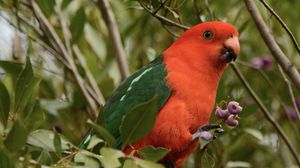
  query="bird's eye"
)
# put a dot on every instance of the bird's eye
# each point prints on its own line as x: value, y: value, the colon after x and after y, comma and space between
x: 208, y: 34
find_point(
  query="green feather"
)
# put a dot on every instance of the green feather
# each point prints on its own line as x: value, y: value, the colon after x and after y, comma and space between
x: 138, y: 88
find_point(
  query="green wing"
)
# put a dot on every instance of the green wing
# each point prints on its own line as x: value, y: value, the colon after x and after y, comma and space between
x: 138, y: 88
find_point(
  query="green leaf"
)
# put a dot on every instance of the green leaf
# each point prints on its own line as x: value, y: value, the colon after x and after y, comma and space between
x: 110, y: 157
x: 147, y: 164
x: 25, y: 87
x: 12, y: 68
x: 103, y: 133
x: 53, y: 106
x: 129, y: 163
x: 94, y: 141
x: 47, y: 6
x: 34, y: 118
x: 65, y: 3
x: 7, y: 160
x: 77, y: 24
x: 203, y: 143
x: 45, y: 158
x: 4, y: 104
x: 85, y: 159
x: 153, y: 154
x: 138, y: 121
x: 57, y: 144
x: 45, y: 138
x: 16, y: 138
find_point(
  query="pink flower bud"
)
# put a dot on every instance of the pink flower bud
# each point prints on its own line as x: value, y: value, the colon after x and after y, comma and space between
x: 219, y: 113
x: 257, y: 63
x: 267, y: 62
x: 232, y: 121
x: 205, y: 135
x: 234, y: 107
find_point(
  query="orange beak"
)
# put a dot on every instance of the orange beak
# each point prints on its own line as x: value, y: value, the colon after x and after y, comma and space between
x: 233, y: 43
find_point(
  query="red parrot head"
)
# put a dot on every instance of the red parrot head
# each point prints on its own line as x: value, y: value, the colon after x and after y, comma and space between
x: 209, y: 44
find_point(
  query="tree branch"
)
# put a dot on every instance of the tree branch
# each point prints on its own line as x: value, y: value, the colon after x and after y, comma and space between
x: 286, y: 28
x: 281, y: 58
x: 288, y: 83
x: 266, y: 113
x: 98, y: 95
x: 163, y: 19
x: 114, y: 33
x: 49, y: 31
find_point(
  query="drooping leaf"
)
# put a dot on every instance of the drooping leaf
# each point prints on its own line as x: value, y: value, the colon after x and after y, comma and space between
x: 138, y: 121
x: 153, y: 154
x: 85, y: 159
x: 12, y: 68
x: 110, y: 157
x: 147, y: 164
x: 45, y: 138
x: 103, y: 133
x: 57, y: 144
x: 203, y: 143
x: 7, y: 160
x: 65, y: 3
x: 77, y: 24
x: 45, y: 158
x: 26, y: 85
x: 16, y: 138
x: 94, y: 141
x: 47, y: 6
x: 4, y: 104
x: 34, y: 118
x: 129, y: 163
x: 53, y: 106
x: 48, y: 90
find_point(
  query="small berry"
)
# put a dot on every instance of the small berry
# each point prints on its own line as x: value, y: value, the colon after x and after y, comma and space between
x: 221, y: 113
x: 257, y: 63
x: 267, y: 62
x: 234, y: 107
x: 207, y: 136
x: 290, y: 113
x: 232, y: 121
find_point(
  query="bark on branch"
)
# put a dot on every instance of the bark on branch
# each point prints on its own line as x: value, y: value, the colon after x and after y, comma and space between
x: 114, y: 33
x: 280, y: 57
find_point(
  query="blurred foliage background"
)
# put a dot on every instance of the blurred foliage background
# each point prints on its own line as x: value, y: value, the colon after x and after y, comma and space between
x: 44, y: 112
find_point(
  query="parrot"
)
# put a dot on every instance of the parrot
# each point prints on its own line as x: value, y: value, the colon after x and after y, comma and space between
x: 185, y: 78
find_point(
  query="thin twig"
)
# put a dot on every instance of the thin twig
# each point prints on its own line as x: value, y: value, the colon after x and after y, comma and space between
x: 49, y: 31
x: 69, y: 156
x: 267, y: 114
x: 198, y: 11
x: 161, y: 5
x: 281, y: 58
x: 98, y: 95
x: 286, y: 28
x: 288, y: 83
x: 163, y: 19
x: 208, y: 10
x: 65, y: 29
x: 114, y: 33
x: 95, y: 93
